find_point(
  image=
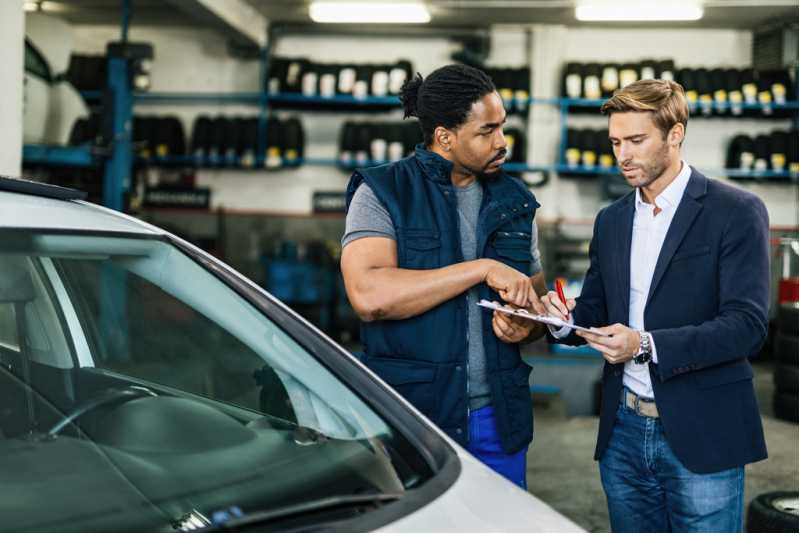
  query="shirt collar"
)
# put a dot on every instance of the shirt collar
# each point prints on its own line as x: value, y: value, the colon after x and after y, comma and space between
x: 671, y: 195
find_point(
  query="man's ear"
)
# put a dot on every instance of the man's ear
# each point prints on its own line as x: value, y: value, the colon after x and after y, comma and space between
x: 677, y: 134
x: 444, y: 138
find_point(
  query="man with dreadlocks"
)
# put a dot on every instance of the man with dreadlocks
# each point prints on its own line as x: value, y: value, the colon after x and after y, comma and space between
x: 426, y: 238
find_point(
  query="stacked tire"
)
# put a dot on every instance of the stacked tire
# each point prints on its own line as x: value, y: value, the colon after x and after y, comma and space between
x: 513, y: 85
x: 593, y: 81
x: 588, y: 150
x: 722, y: 92
x: 370, y: 143
x: 236, y: 142
x: 774, y: 512
x: 786, y: 371
x: 327, y: 80
x: 88, y: 72
x: 777, y: 152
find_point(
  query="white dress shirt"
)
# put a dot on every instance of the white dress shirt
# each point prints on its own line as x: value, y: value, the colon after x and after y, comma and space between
x: 649, y: 232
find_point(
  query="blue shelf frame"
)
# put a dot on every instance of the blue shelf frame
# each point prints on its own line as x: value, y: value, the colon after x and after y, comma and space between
x: 71, y: 156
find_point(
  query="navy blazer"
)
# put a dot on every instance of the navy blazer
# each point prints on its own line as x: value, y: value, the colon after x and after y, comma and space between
x: 707, y: 312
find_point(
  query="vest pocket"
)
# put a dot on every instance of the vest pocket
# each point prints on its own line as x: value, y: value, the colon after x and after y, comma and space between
x: 411, y: 379
x: 513, y: 248
x: 422, y: 249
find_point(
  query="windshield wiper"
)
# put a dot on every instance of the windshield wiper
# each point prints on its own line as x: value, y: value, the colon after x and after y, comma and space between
x: 331, y: 503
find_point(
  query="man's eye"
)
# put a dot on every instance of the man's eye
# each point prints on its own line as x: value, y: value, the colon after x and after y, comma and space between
x: 637, y: 141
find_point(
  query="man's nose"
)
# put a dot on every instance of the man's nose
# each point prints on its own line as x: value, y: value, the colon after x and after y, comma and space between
x: 623, y: 152
x: 500, y: 142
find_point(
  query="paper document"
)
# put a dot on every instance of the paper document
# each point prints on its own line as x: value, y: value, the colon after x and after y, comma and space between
x: 546, y: 319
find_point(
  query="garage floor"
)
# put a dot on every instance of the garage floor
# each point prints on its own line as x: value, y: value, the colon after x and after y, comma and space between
x: 561, y: 470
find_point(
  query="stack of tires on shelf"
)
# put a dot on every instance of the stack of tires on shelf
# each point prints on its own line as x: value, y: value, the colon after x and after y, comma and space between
x: 777, y: 152
x: 721, y: 92
x: 235, y: 142
x: 88, y: 72
x: 362, y: 143
x: 155, y: 138
x: 327, y: 80
x: 593, y: 81
x: 710, y: 92
x: 217, y: 142
x: 513, y: 85
x: 589, y: 149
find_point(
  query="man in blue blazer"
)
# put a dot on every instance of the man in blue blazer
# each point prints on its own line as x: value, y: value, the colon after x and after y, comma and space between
x: 680, y: 270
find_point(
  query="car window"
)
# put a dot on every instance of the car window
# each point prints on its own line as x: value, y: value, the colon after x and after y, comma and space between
x: 35, y: 63
x: 8, y: 328
x: 152, y: 392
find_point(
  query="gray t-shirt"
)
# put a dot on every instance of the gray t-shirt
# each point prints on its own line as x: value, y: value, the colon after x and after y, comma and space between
x: 367, y: 217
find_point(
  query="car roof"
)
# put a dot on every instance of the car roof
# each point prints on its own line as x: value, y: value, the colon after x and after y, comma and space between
x: 30, y: 205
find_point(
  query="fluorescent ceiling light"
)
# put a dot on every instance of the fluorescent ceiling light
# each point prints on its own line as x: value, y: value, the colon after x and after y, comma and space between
x: 641, y: 10
x: 371, y: 12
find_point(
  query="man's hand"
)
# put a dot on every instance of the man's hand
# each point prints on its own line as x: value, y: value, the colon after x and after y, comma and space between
x: 622, y: 346
x: 511, y: 285
x: 511, y: 329
x: 554, y: 307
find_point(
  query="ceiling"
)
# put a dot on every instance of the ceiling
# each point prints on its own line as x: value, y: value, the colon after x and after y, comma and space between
x: 741, y: 14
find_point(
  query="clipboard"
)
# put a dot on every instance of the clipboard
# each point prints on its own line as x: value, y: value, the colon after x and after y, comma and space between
x: 546, y: 319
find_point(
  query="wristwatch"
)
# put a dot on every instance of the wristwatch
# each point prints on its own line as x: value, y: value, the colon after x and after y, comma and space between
x: 644, y: 349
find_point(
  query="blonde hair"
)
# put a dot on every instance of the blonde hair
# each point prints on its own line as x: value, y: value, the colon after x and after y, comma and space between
x: 665, y: 99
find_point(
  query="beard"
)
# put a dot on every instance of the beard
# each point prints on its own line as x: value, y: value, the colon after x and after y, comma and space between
x: 483, y: 174
x: 652, y: 170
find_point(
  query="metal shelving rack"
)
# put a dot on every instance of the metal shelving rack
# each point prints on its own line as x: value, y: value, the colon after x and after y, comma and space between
x: 119, y: 160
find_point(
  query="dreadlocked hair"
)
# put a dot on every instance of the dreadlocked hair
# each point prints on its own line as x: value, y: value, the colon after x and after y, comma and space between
x: 444, y: 98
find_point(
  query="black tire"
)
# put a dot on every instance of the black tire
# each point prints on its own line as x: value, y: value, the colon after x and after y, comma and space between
x: 763, y: 151
x: 788, y: 318
x: 774, y: 512
x: 740, y: 145
x: 786, y: 378
x: 779, y: 150
x: 572, y: 82
x: 786, y: 348
x: 665, y: 69
x: 793, y: 159
x: 293, y: 142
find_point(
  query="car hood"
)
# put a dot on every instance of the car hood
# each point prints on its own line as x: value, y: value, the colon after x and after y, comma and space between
x: 481, y: 500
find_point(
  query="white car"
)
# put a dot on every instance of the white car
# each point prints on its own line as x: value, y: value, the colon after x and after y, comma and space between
x: 51, y: 104
x: 146, y: 386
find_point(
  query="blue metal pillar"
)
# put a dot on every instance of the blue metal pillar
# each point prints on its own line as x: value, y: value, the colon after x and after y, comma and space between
x: 113, y: 291
x: 118, y: 167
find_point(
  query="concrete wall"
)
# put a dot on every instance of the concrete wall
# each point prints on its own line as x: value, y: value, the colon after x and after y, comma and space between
x: 12, y: 31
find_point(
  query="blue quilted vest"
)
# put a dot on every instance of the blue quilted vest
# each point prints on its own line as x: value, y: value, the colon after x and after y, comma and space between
x: 424, y: 357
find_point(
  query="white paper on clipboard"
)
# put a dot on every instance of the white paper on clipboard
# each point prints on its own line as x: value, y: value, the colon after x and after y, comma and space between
x: 546, y: 319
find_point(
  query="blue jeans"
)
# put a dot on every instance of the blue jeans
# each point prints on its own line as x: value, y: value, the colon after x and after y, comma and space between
x: 484, y: 443
x: 649, y: 490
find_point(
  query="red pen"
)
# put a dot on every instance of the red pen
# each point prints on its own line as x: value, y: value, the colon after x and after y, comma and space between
x: 559, y: 288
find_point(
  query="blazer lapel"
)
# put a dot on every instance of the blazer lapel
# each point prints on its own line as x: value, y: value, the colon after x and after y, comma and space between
x: 684, y: 218
x: 625, y: 239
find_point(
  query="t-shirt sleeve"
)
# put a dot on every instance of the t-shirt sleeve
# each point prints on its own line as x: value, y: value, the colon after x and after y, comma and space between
x: 367, y: 217
x: 535, y: 265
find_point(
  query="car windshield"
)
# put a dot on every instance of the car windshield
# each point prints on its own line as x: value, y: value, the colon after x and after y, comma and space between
x: 141, y: 392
